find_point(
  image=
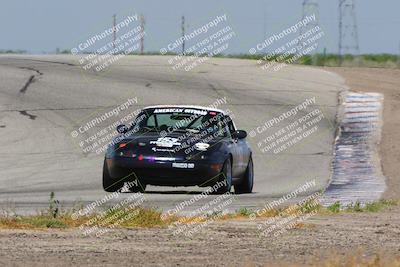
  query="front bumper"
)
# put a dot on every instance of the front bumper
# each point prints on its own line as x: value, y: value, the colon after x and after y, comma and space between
x: 165, y: 171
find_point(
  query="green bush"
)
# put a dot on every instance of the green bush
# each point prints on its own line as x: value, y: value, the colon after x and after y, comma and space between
x: 335, y: 207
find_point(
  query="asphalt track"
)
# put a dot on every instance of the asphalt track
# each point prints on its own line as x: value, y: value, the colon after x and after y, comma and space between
x: 44, y: 98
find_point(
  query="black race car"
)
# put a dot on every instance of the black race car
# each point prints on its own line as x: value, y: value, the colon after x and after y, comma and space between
x: 179, y: 146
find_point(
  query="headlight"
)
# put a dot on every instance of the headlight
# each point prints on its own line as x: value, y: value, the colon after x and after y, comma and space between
x: 201, y: 146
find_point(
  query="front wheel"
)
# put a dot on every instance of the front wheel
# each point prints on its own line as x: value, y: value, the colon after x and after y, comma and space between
x: 110, y: 184
x: 224, y: 184
x: 246, y: 185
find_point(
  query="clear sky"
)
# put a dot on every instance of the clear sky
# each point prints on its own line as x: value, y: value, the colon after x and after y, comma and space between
x: 42, y: 25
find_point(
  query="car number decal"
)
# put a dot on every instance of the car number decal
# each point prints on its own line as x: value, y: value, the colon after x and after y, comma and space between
x: 166, y: 142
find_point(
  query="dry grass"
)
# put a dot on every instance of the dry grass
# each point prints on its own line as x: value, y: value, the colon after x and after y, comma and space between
x: 138, y: 217
x: 122, y: 217
x: 55, y: 217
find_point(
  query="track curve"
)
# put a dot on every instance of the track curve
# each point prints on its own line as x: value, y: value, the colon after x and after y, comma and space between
x: 44, y: 98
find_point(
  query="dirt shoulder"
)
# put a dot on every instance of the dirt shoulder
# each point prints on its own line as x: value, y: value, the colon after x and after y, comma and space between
x: 387, y: 82
x: 232, y: 243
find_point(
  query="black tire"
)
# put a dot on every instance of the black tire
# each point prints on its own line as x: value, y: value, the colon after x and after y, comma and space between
x: 226, y: 175
x: 110, y: 184
x: 246, y: 185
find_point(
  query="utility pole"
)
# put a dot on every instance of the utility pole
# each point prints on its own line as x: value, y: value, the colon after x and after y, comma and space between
x: 142, y: 23
x: 310, y: 8
x: 348, y: 32
x: 265, y: 22
x: 183, y: 34
x: 398, y: 57
x: 114, y: 29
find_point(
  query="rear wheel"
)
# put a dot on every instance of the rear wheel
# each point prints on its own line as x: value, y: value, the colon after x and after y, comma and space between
x: 246, y: 185
x: 225, y: 182
x: 110, y: 184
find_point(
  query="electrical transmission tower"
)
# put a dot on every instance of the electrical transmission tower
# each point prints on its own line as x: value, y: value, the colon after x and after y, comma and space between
x: 310, y: 8
x: 348, y: 35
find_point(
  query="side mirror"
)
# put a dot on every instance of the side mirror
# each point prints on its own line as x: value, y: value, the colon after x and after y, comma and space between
x: 122, y: 129
x: 240, y: 134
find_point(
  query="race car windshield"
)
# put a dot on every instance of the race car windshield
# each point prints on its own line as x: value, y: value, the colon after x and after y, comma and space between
x: 175, y: 121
